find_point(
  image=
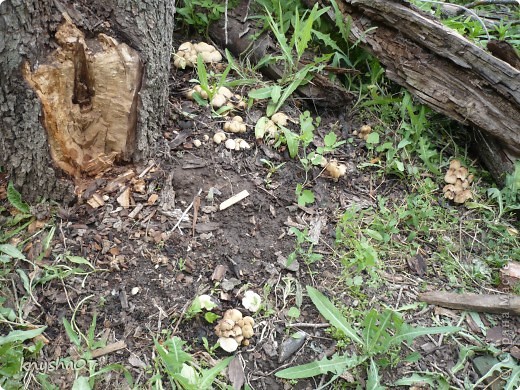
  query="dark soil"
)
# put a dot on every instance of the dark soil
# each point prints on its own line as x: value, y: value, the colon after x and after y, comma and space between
x: 249, y: 240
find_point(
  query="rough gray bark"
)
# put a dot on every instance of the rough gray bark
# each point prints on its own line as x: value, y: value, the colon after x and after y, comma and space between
x: 27, y: 30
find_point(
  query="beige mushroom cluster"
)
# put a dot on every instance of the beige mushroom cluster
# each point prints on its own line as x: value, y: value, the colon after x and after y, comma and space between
x: 187, y: 54
x: 333, y: 168
x: 363, y: 132
x: 459, y: 180
x: 233, y: 330
x: 270, y: 127
x: 236, y: 125
x: 237, y: 144
x: 222, y: 97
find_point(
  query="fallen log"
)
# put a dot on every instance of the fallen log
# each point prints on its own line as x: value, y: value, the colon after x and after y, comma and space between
x: 473, y: 302
x: 443, y: 70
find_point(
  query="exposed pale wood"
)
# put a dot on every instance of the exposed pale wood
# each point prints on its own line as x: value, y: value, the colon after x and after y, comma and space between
x: 31, y: 26
x: 234, y: 199
x: 473, y: 302
x: 89, y: 93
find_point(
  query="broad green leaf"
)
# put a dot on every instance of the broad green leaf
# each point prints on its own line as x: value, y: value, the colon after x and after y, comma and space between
x: 373, y: 382
x: 172, y: 355
x: 292, y: 142
x: 330, y: 139
x: 79, y: 260
x: 261, y: 93
x: 408, y: 333
x: 208, y: 376
x: 276, y: 92
x: 337, y: 365
x: 260, y: 127
x: 332, y: 314
x: 373, y: 138
x: 12, y: 251
x: 21, y: 335
x: 436, y: 381
x: 293, y: 312
x: 71, y: 333
x: 81, y: 383
x: 15, y: 199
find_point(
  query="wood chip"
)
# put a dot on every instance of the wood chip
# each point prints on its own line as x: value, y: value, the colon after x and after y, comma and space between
x: 124, y: 198
x: 234, y: 199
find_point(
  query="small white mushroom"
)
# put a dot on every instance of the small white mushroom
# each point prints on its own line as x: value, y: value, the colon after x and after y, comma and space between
x: 218, y: 100
x: 197, y: 143
x: 226, y: 92
x: 280, y: 119
x: 241, y: 144
x: 251, y: 301
x: 231, y: 144
x: 228, y: 344
x: 219, y: 137
x: 335, y: 169
x: 206, y: 302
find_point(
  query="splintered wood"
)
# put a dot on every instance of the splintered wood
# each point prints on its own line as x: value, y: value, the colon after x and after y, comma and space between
x: 89, y: 95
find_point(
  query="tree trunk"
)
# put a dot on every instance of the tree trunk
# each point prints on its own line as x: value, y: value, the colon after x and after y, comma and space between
x: 60, y: 93
x: 444, y: 70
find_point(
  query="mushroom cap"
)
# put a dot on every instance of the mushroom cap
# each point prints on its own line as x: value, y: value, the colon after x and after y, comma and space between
x: 226, y: 92
x: 218, y: 100
x: 239, y: 339
x: 233, y: 314
x: 237, y: 330
x: 219, y: 137
x: 228, y: 344
x: 179, y: 62
x: 280, y: 118
x: 213, y: 56
x: 237, y: 118
x: 230, y: 144
x: 203, y: 47
x: 185, y: 47
x: 247, y: 331
x: 455, y: 164
x: 248, y: 321
x: 226, y: 324
x: 463, y: 196
x: 450, y: 176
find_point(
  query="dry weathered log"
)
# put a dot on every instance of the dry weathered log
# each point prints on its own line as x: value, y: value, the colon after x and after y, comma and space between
x: 443, y: 69
x: 473, y: 302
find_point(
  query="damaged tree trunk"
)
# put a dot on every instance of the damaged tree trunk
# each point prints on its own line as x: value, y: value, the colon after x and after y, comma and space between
x: 84, y: 84
x: 445, y: 71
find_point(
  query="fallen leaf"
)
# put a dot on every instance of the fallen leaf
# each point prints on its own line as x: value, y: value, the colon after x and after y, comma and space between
x: 236, y: 373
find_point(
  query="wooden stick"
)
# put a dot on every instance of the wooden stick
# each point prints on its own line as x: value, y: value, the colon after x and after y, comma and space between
x: 108, y: 349
x: 473, y: 302
x: 234, y: 199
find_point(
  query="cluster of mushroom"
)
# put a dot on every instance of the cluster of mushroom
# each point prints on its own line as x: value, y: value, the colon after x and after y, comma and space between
x: 333, y: 168
x: 271, y: 126
x: 187, y: 54
x: 364, y: 132
x: 459, y: 180
x: 223, y: 97
x: 236, y: 125
x: 231, y: 144
x: 233, y: 330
